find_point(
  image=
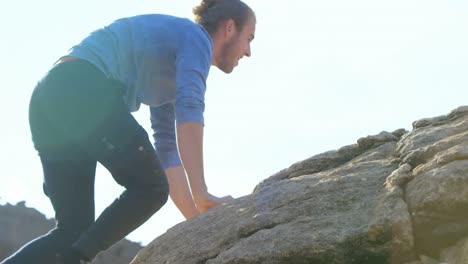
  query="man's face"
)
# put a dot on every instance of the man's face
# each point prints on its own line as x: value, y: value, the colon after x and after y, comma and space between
x: 236, y: 46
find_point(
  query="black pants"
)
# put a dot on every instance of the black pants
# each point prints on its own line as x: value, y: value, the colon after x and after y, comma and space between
x: 78, y: 118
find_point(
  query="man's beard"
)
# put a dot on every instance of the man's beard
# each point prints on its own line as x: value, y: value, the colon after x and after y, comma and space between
x: 228, y: 56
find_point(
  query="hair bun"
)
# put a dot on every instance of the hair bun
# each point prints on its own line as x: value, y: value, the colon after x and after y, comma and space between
x: 204, y: 6
x: 210, y: 3
x: 209, y: 13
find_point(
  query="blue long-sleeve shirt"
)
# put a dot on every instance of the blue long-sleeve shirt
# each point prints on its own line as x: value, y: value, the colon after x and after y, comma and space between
x: 164, y: 62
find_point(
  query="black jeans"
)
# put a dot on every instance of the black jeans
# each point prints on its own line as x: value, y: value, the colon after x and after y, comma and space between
x: 78, y: 118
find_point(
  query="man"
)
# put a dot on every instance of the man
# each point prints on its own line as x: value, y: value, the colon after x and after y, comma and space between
x: 80, y: 115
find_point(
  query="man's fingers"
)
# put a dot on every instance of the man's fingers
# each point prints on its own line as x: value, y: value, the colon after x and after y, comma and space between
x: 214, y: 202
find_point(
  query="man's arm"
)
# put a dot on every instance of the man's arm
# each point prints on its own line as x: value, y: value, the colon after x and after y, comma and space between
x: 193, y: 62
x: 190, y: 142
x: 162, y: 122
x: 180, y: 191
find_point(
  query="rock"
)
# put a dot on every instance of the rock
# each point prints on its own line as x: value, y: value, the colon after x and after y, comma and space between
x: 428, y: 260
x: 20, y: 224
x: 333, y: 159
x: 394, y: 198
x: 457, y: 253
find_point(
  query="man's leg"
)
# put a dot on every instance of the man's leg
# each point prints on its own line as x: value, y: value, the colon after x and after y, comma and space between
x: 70, y: 187
x: 116, y: 140
x: 68, y: 172
x: 136, y: 167
x: 91, y: 113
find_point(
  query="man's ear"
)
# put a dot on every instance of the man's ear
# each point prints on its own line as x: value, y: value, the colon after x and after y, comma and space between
x: 230, y: 27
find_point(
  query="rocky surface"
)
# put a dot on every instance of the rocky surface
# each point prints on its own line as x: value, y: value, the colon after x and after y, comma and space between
x: 395, y: 197
x: 20, y: 224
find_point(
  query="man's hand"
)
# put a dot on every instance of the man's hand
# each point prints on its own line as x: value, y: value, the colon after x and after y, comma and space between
x: 207, y: 201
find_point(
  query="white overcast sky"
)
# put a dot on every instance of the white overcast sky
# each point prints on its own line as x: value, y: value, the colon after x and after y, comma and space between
x: 322, y: 74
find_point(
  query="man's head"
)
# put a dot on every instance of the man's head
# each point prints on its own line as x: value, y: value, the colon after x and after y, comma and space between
x: 231, y: 24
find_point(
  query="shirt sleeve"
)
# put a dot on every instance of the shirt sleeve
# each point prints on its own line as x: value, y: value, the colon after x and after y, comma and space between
x: 165, y: 143
x: 193, y: 63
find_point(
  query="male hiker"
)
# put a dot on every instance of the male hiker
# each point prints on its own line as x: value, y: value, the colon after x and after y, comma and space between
x: 80, y: 114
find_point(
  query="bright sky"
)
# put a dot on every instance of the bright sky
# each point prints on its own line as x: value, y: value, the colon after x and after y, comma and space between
x: 322, y: 74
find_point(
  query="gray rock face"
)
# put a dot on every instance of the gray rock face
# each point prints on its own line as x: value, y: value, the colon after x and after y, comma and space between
x: 399, y: 197
x: 19, y: 225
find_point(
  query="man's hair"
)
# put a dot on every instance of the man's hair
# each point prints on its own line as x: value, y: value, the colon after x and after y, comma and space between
x: 212, y: 12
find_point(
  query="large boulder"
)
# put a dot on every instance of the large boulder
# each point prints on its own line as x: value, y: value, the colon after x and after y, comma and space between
x: 399, y: 197
x: 20, y: 224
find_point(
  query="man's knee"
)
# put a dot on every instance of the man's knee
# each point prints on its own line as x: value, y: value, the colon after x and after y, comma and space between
x: 159, y: 192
